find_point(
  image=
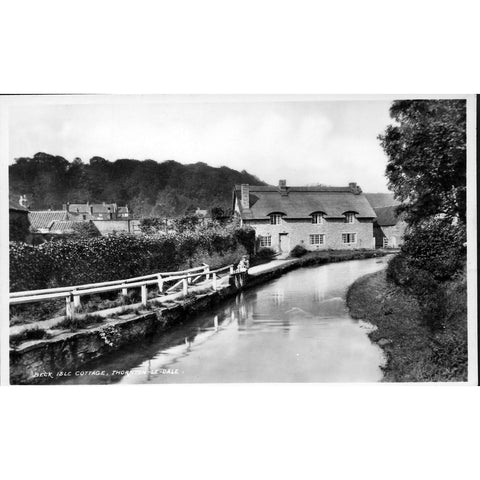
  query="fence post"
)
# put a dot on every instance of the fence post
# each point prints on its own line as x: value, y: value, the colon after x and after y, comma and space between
x: 214, y: 281
x: 206, y: 271
x: 231, y: 269
x: 76, y: 299
x: 69, y: 307
x: 189, y: 279
x: 144, y: 294
x: 124, y: 290
x: 160, y: 283
x: 185, y: 286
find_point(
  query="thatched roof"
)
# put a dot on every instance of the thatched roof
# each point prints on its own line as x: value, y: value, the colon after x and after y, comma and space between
x: 378, y: 200
x: 387, y: 216
x: 301, y: 202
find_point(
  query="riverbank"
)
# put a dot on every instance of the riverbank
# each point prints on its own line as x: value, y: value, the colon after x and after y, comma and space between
x: 414, y: 352
x: 58, y: 350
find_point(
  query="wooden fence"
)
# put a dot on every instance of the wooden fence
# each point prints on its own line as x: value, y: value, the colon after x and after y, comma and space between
x: 181, y: 282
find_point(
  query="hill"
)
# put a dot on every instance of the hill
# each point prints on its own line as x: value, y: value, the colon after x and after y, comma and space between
x: 149, y: 188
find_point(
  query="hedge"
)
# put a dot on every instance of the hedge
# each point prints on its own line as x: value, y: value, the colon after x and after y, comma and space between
x: 87, y: 260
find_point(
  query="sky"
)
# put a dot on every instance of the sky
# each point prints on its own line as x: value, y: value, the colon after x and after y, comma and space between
x: 304, y: 142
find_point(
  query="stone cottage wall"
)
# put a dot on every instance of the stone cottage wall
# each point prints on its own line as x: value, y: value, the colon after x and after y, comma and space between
x: 397, y: 231
x: 299, y: 232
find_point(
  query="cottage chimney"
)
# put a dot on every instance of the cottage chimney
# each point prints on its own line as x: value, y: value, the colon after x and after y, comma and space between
x: 282, y: 186
x: 354, y: 188
x: 23, y: 201
x: 245, y: 194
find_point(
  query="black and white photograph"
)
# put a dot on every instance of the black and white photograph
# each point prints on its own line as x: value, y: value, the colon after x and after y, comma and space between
x: 239, y: 239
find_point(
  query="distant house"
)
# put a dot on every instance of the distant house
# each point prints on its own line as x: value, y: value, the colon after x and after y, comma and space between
x: 42, y: 221
x: 315, y: 217
x: 388, y: 227
x: 97, y: 211
x: 19, y: 224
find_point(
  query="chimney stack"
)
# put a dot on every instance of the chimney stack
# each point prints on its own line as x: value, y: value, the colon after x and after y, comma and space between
x: 282, y: 186
x: 23, y: 201
x: 354, y: 188
x: 245, y: 195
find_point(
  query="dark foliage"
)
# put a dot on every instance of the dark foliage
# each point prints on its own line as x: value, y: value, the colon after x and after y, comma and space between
x: 437, y: 247
x: 85, y: 230
x: 433, y: 254
x: 186, y: 223
x: 153, y: 225
x: 151, y: 189
x: 298, y: 251
x: 33, y: 333
x: 265, y: 253
x: 427, y: 157
x: 88, y: 260
x: 19, y: 227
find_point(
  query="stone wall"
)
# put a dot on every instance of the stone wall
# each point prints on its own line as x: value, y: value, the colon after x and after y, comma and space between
x: 39, y: 361
x: 394, y: 234
x: 298, y: 233
x: 106, y: 227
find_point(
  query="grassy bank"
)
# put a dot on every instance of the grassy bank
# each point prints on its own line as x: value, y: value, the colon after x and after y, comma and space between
x: 415, y: 352
x: 327, y: 256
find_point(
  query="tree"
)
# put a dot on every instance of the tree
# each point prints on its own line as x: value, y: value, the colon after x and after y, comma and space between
x: 19, y: 227
x: 153, y: 225
x: 186, y: 223
x: 426, y: 149
x: 85, y: 229
x: 217, y: 213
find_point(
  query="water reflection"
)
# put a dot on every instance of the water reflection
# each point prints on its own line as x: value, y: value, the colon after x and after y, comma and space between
x: 294, y: 329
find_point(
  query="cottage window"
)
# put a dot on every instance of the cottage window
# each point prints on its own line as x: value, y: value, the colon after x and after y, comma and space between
x: 318, y: 218
x: 317, y: 239
x: 276, y: 219
x: 266, y: 241
x: 349, y: 217
x: 385, y: 242
x: 349, y: 237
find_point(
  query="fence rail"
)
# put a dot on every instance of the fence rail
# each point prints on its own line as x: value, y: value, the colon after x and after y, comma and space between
x: 73, y: 294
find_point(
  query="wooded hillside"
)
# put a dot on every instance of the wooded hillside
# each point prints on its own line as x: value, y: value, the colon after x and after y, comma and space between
x: 149, y: 188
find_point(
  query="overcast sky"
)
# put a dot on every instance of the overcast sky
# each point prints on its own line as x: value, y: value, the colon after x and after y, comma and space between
x: 329, y: 142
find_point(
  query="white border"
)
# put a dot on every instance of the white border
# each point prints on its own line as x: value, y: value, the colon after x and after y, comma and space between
x: 6, y: 102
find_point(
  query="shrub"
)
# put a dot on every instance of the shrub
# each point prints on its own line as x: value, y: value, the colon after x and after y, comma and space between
x: 85, y: 229
x: 298, y: 251
x: 266, y: 253
x: 78, y: 260
x: 34, y: 333
x: 423, y: 285
x: 436, y: 246
x: 79, y: 323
